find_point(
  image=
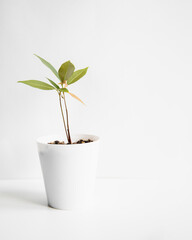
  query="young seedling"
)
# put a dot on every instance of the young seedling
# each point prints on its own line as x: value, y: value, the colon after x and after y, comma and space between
x: 67, y: 76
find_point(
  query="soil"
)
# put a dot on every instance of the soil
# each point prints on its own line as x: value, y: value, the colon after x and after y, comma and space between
x: 81, y: 141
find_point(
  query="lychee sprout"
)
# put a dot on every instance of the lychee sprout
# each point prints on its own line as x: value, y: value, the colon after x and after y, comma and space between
x: 67, y: 76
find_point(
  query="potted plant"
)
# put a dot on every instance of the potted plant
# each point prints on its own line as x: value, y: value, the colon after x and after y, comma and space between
x: 68, y: 165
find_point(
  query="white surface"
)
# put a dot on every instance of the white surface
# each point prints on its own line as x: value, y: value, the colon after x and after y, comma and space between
x: 69, y: 171
x: 124, y: 209
x: 137, y: 90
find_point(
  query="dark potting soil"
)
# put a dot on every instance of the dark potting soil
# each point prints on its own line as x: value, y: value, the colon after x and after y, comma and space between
x: 81, y: 141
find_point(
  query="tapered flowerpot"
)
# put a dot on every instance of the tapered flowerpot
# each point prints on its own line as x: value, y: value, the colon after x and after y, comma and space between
x: 69, y: 171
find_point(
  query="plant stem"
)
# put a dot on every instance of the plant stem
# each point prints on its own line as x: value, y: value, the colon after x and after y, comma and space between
x: 69, y: 136
x: 63, y: 116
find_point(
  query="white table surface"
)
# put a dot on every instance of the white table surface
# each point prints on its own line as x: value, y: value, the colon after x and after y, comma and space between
x: 124, y: 209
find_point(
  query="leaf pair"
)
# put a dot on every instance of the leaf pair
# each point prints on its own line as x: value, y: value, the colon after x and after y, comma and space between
x: 66, y: 71
x: 45, y: 86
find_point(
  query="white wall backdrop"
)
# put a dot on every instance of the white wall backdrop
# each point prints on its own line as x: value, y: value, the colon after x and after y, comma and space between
x: 137, y: 90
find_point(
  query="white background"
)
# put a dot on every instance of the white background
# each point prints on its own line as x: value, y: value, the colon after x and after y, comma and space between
x: 137, y: 90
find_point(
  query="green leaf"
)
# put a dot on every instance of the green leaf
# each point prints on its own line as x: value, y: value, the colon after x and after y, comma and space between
x: 63, y: 90
x: 37, y: 84
x: 77, y: 75
x: 53, y: 83
x: 66, y: 70
x: 47, y: 64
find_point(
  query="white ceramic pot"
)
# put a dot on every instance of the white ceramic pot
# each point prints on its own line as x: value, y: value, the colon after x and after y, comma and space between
x: 69, y: 171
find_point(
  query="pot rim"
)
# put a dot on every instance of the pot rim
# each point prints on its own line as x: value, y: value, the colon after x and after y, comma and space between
x: 75, y: 137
